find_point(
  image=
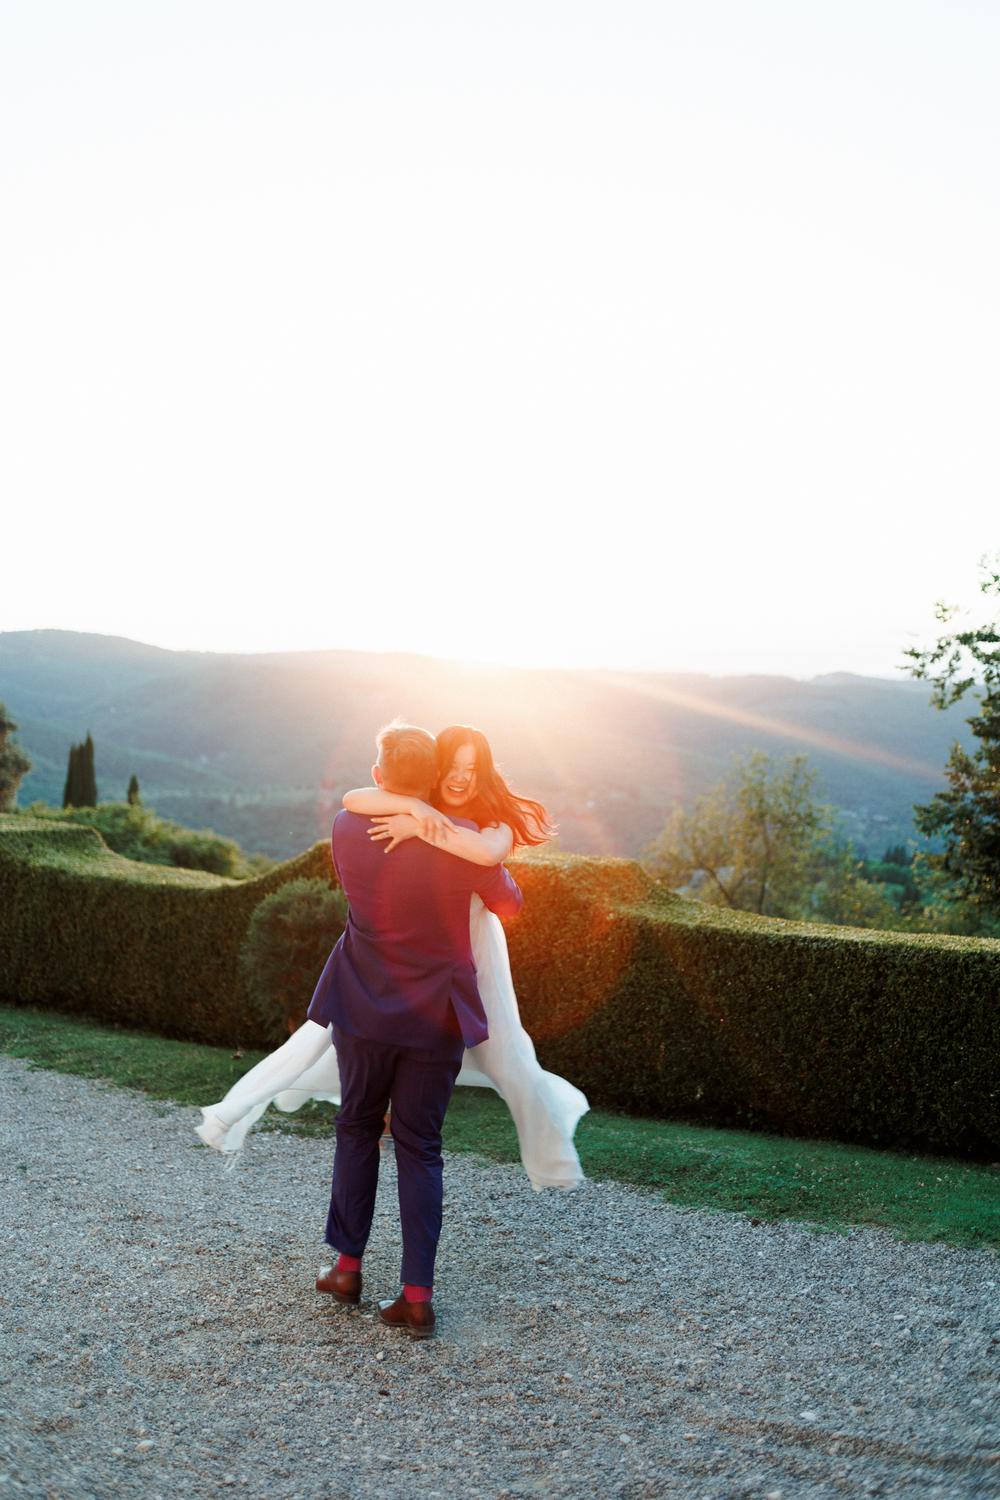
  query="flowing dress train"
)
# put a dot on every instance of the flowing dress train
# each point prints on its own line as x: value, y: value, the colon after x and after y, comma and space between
x: 545, y: 1107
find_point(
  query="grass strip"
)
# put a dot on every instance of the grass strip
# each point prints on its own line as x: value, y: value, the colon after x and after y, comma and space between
x: 827, y: 1184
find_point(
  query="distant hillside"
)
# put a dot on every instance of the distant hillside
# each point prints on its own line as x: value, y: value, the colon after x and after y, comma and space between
x: 261, y: 747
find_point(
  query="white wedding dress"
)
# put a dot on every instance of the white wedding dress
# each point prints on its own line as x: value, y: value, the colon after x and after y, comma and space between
x: 544, y: 1106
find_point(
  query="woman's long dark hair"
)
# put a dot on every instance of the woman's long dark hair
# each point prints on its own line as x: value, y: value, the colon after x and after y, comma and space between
x: 494, y: 801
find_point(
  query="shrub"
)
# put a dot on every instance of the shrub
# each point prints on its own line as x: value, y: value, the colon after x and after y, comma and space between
x: 286, y: 945
x: 672, y: 1007
x: 136, y: 832
x: 649, y: 1002
x: 144, y: 945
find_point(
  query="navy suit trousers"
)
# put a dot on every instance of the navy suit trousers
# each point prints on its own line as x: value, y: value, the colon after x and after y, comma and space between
x: 419, y: 1085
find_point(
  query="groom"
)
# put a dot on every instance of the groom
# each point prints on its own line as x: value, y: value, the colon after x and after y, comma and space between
x: 400, y: 990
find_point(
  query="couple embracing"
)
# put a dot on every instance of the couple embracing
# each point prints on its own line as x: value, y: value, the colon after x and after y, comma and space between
x: 415, y: 996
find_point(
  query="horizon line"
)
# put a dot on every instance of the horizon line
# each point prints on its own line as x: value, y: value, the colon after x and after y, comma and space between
x: 463, y: 663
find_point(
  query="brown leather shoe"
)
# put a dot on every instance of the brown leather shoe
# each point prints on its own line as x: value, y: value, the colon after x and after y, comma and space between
x: 344, y: 1285
x: 416, y: 1318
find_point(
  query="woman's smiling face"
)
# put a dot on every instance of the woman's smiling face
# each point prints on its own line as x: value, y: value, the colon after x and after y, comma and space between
x: 458, y: 784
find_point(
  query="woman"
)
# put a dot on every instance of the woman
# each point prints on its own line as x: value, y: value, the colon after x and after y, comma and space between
x: 544, y: 1106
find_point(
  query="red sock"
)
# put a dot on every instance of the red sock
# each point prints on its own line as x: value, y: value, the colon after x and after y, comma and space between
x: 417, y: 1293
x: 348, y: 1262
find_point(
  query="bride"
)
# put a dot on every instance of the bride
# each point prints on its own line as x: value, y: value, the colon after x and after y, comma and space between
x: 545, y: 1107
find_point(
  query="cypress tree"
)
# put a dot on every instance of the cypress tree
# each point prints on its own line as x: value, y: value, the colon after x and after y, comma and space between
x: 133, y: 797
x: 88, y: 775
x: 81, y: 783
x: 72, y: 787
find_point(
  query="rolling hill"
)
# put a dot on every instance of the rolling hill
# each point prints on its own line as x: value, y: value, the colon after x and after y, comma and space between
x: 261, y: 747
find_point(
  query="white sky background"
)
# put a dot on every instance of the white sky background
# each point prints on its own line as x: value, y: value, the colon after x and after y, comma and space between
x: 629, y: 335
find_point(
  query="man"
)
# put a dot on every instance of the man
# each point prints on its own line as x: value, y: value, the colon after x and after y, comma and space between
x: 400, y: 990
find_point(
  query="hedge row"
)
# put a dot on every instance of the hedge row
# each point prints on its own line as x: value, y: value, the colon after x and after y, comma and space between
x: 146, y: 945
x: 649, y: 1002
x: 677, y: 1008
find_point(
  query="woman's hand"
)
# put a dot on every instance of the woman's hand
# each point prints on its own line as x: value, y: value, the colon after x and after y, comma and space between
x: 423, y: 821
x: 393, y: 829
x: 433, y: 826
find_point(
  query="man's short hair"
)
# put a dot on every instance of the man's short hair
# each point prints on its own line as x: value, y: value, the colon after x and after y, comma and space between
x: 407, y: 757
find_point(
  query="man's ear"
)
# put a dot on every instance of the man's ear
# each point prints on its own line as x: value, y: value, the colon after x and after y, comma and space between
x: 377, y: 776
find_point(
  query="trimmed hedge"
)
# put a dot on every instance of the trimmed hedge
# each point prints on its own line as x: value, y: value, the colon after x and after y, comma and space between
x: 649, y: 1002
x: 885, y: 1038
x: 145, y: 945
x: 135, y: 831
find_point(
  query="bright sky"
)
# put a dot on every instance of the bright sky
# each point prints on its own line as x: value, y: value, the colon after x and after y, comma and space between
x: 627, y: 334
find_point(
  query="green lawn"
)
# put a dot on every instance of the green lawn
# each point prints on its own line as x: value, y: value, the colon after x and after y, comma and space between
x: 767, y: 1177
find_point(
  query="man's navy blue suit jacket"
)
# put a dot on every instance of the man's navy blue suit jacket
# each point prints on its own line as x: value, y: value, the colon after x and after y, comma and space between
x: 403, y: 971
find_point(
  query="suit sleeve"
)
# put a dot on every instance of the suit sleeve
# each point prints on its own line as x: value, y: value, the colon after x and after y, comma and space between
x: 333, y: 848
x: 499, y: 890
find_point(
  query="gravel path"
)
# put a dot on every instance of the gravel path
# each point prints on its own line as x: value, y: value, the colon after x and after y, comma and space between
x: 162, y: 1337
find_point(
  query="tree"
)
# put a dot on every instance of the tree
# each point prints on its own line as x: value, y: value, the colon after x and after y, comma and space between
x: 88, y: 775
x: 71, y: 790
x: 761, y: 842
x: 750, y: 838
x: 940, y: 905
x: 81, y: 783
x: 132, y: 795
x: 966, y: 815
x: 841, y: 893
x: 895, y: 872
x: 14, y: 763
x: 897, y: 854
